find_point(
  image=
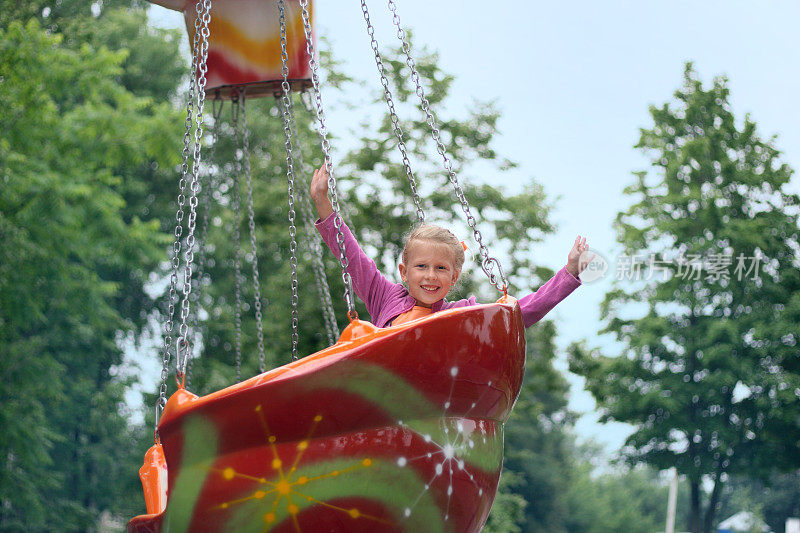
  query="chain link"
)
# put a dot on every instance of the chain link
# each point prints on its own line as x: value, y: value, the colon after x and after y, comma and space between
x: 387, y: 96
x: 196, y: 91
x: 251, y: 222
x: 194, y: 189
x: 201, y: 248
x: 286, y: 98
x: 487, y: 263
x: 326, y: 150
x: 306, y: 98
x: 237, y: 254
x: 313, y: 240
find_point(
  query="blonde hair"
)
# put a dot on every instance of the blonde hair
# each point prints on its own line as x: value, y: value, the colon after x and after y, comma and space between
x: 437, y: 235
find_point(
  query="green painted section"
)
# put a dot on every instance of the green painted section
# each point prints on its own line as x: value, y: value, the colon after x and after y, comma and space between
x: 199, y: 453
x: 383, y: 481
x: 388, y: 390
x: 405, y: 403
x: 485, y: 453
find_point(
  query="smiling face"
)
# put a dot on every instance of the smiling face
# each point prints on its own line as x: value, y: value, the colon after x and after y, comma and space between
x: 429, y: 271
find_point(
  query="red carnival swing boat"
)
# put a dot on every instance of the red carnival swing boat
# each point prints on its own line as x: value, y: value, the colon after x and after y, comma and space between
x: 395, y: 429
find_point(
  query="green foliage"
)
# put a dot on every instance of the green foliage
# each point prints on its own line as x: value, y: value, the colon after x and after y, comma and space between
x: 631, y: 500
x: 774, y: 500
x: 508, y: 509
x: 78, y: 243
x: 59, y: 16
x: 145, y: 46
x: 539, y: 448
x: 709, y: 370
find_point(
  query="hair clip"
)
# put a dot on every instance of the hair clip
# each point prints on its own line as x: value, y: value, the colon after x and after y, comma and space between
x: 464, y: 245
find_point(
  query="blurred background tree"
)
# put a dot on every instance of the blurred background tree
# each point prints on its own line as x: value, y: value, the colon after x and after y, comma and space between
x: 83, y: 146
x: 773, y: 500
x: 708, y: 374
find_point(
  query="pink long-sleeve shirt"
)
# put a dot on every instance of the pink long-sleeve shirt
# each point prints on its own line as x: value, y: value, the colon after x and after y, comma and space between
x: 386, y: 300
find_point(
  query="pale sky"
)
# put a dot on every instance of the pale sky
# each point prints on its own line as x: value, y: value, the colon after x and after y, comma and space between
x: 573, y: 81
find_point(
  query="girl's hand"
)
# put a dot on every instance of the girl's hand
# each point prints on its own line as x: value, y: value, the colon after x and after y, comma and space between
x: 576, y: 264
x: 319, y: 192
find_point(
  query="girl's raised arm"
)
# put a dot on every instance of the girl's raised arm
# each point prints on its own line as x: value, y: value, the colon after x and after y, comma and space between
x: 368, y: 283
x: 319, y: 193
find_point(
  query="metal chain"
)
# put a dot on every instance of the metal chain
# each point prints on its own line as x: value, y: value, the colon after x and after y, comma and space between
x: 194, y: 189
x: 199, y: 55
x: 322, y: 283
x: 292, y: 240
x: 487, y: 263
x: 287, y: 131
x: 216, y: 111
x: 306, y: 97
x: 326, y: 150
x: 237, y: 254
x: 251, y: 222
x: 387, y: 96
x: 313, y: 239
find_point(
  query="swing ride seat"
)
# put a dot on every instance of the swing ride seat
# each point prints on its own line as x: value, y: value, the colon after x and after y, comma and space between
x: 390, y: 429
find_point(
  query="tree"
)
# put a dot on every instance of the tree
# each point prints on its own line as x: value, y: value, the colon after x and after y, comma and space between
x: 708, y: 373
x: 631, y: 500
x: 773, y: 500
x: 508, y: 509
x: 78, y: 241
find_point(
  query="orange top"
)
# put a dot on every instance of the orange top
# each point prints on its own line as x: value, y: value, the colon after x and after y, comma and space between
x: 416, y: 312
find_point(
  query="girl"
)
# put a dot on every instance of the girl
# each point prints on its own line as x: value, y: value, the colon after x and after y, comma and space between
x: 431, y: 263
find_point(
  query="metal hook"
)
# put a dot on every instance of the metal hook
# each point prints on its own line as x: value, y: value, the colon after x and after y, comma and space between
x: 161, y: 403
x: 216, y: 105
x: 235, y: 104
x: 182, y: 349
